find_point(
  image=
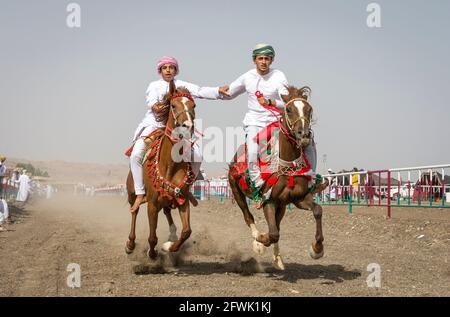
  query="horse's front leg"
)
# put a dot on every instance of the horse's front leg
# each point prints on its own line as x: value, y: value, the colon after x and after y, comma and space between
x: 185, y: 232
x: 316, y: 250
x: 272, y: 237
x: 172, y: 227
x: 277, y: 260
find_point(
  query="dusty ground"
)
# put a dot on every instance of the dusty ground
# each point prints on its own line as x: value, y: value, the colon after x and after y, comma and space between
x: 217, y: 260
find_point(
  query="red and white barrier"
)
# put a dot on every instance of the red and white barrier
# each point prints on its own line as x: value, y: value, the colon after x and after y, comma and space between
x: 205, y: 189
x: 422, y: 186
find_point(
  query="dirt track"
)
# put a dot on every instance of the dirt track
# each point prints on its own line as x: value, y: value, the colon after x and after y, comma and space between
x: 218, y: 259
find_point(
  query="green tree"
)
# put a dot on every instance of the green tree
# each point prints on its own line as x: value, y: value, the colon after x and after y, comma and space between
x: 34, y: 171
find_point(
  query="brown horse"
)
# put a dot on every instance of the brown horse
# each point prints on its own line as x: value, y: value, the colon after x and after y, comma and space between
x: 167, y: 181
x: 294, y: 136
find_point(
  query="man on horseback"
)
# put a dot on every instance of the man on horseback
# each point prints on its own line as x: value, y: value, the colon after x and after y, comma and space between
x: 264, y: 87
x: 168, y: 68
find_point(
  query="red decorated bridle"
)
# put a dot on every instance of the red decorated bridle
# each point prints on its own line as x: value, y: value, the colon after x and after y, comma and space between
x: 175, y: 115
x: 165, y: 187
x: 185, y: 110
x: 288, y: 131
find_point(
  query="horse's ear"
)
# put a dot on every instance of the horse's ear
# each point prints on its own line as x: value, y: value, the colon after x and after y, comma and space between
x: 285, y: 98
x: 305, y: 92
x: 172, y: 88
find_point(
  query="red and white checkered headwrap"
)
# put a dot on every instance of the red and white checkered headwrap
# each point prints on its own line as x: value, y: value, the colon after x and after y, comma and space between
x: 168, y: 60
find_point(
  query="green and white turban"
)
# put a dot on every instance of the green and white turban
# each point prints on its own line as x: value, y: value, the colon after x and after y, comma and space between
x: 263, y: 49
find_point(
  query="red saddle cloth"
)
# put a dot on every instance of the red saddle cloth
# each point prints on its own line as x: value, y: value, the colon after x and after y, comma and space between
x: 239, y: 164
x: 153, y: 134
x: 165, y: 188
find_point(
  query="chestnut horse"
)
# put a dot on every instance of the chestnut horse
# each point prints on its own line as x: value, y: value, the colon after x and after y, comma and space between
x: 167, y: 181
x: 294, y: 136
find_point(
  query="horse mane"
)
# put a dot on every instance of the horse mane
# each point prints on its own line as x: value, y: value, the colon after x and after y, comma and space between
x: 162, y: 115
x: 183, y: 90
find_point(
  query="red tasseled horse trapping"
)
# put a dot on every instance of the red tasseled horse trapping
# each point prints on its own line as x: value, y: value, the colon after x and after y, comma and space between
x: 239, y: 164
x: 164, y: 187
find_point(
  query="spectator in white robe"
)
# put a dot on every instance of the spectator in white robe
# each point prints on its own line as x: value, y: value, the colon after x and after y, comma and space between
x: 24, y: 187
x: 332, y: 190
x: 4, y: 213
x: 48, y: 192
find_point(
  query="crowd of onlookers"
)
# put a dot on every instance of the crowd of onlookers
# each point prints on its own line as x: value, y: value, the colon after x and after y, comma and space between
x: 18, y: 185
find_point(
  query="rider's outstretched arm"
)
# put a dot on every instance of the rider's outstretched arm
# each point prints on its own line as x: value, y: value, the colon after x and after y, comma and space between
x: 236, y: 88
x: 211, y: 93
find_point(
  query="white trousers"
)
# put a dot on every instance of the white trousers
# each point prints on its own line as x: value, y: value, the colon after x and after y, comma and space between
x: 252, y: 154
x: 142, y: 131
x: 136, y: 166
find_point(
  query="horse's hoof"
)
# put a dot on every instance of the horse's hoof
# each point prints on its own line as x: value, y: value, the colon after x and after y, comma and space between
x: 258, y: 247
x: 152, y: 256
x: 166, y: 246
x: 313, y: 253
x: 128, y: 250
x: 278, y: 262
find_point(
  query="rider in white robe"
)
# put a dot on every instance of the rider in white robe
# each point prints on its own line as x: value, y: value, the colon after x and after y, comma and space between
x: 272, y: 84
x: 168, y: 68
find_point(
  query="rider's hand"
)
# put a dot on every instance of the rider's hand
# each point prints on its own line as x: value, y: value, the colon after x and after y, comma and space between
x: 157, y: 107
x: 224, y: 90
x: 263, y: 101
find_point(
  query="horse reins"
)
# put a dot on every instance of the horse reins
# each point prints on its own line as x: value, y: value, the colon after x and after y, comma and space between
x: 288, y: 122
x: 186, y: 110
x: 175, y: 115
x: 289, y: 131
x: 164, y: 187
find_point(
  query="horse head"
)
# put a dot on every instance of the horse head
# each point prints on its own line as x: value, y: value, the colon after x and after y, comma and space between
x: 297, y: 115
x: 178, y: 110
x: 182, y: 108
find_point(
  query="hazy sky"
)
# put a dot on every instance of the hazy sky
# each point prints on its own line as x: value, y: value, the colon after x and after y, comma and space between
x: 380, y: 95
